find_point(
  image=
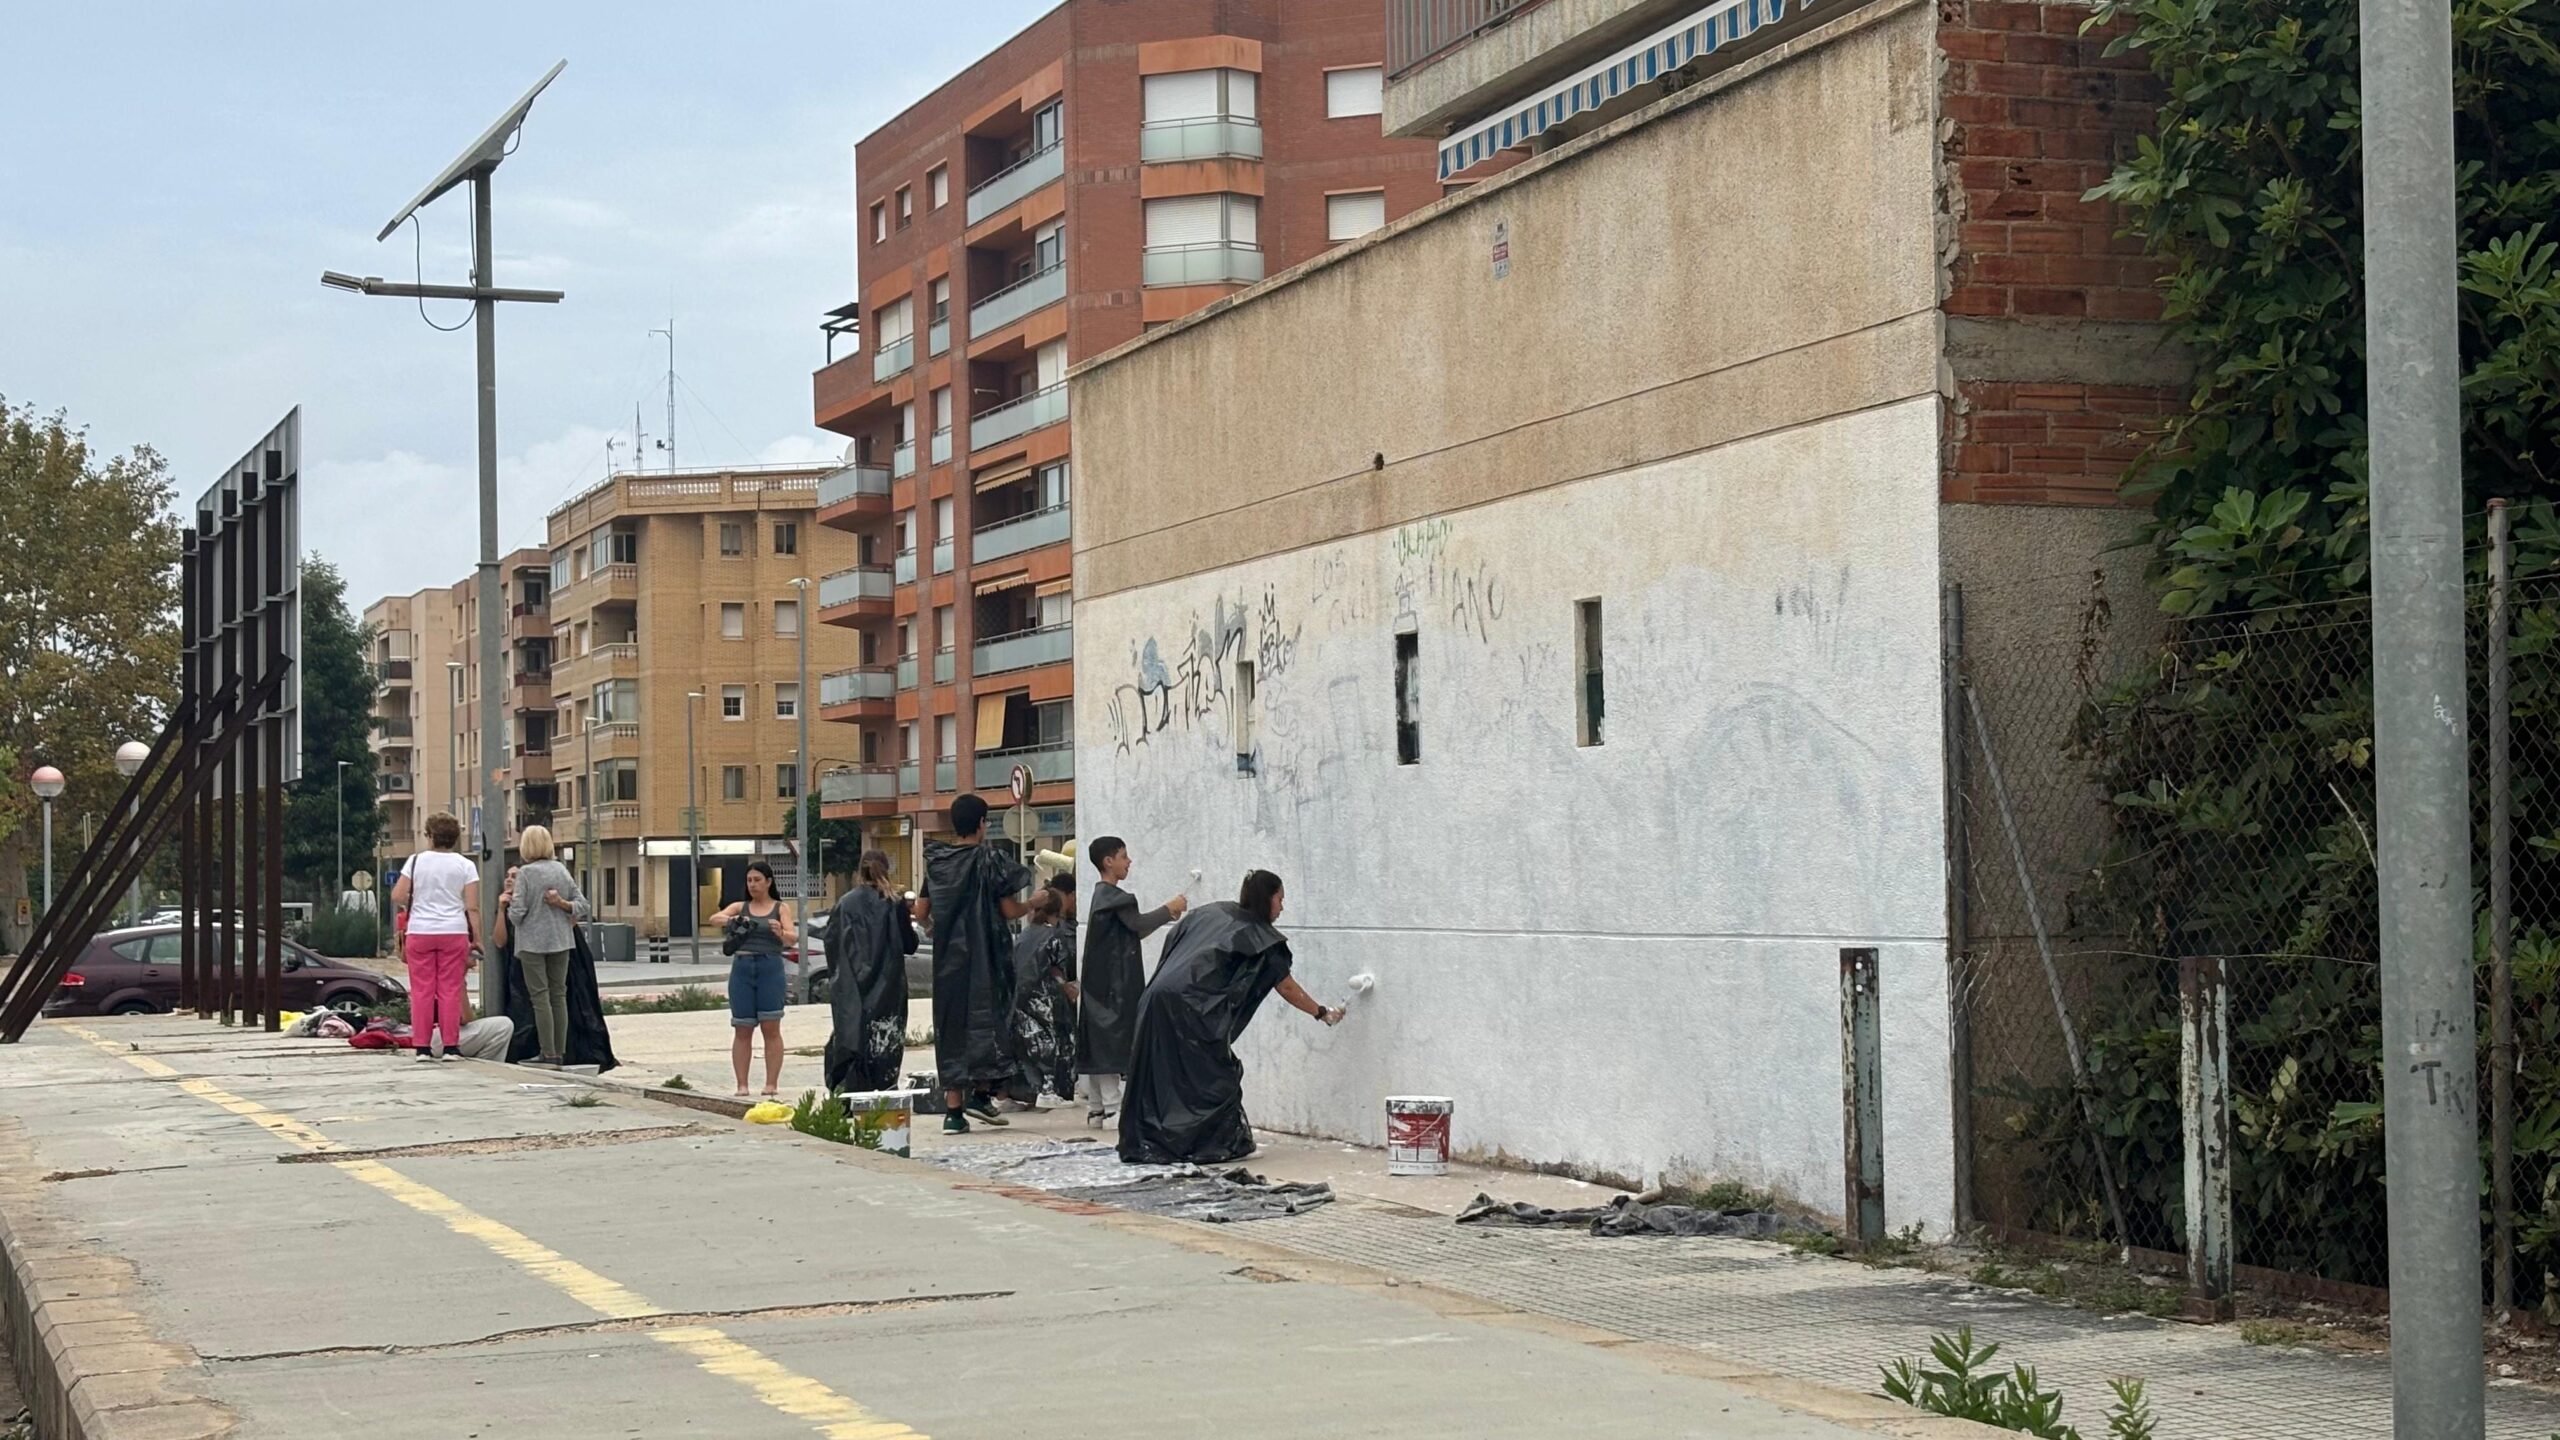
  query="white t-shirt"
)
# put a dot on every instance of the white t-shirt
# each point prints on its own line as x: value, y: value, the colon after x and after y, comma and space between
x: 436, y: 878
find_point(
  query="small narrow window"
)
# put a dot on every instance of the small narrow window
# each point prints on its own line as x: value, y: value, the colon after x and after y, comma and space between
x: 938, y: 186
x: 610, y: 875
x: 786, y: 538
x: 786, y: 618
x: 733, y: 538
x: 1244, y: 717
x: 733, y: 702
x: 733, y: 782
x: 733, y: 620
x: 632, y: 889
x: 1408, y: 699
x: 786, y: 701
x: 786, y: 782
x: 1587, y: 667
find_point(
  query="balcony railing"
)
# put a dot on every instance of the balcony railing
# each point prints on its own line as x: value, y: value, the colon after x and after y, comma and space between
x: 942, y: 446
x: 392, y: 673
x: 902, y: 460
x: 612, y: 730
x: 910, y: 778
x: 853, y: 482
x: 946, y: 776
x: 1049, y: 764
x: 867, y: 682
x: 943, y: 665
x: 617, y: 581
x: 941, y: 557
x: 853, y: 787
x: 1022, y: 297
x: 1023, y: 532
x: 1023, y: 177
x: 937, y: 337
x: 860, y: 582
x: 1205, y: 138
x: 906, y: 567
x: 395, y: 729
x: 1418, y: 30
x: 907, y: 672
x: 1019, y: 417
x: 894, y: 358
x: 1024, y: 650
x: 1217, y: 262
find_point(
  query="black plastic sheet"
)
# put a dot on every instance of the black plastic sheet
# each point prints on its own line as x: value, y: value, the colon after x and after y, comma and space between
x: 1185, y: 1095
x: 972, y: 961
x: 866, y: 960
x: 590, y: 1041
x: 1626, y: 1215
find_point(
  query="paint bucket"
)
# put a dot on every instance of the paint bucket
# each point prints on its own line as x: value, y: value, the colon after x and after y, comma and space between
x: 895, y: 1110
x: 1418, y: 1134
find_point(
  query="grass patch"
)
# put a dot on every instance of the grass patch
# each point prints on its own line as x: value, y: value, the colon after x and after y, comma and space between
x: 583, y: 1102
x: 2278, y: 1332
x: 1724, y: 1197
x: 1816, y: 1242
x: 674, y: 1002
x: 808, y: 1051
x: 2100, y: 1285
x: 674, y: 1082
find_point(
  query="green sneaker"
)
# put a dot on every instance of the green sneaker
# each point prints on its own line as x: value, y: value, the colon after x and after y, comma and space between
x: 984, y: 1107
x: 955, y: 1123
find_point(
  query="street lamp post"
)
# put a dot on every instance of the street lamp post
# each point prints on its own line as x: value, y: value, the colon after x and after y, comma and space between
x: 692, y: 830
x: 453, y: 739
x: 800, y: 788
x: 130, y: 757
x: 48, y: 787
x: 587, y: 809
x: 338, y: 871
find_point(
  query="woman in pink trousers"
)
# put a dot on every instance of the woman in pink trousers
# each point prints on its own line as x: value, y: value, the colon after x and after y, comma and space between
x: 441, y: 892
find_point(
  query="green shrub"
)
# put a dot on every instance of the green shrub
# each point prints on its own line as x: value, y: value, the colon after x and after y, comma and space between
x: 344, y: 934
x: 690, y: 997
x: 1962, y: 1383
x: 822, y: 1115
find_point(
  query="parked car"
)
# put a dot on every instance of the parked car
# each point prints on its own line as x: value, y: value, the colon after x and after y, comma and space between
x: 135, y: 972
x: 919, y: 965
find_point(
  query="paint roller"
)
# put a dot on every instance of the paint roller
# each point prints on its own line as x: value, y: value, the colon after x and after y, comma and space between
x: 1050, y: 864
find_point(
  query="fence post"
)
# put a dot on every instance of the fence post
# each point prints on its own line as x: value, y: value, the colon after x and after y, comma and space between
x: 2502, y: 998
x: 1959, y: 906
x: 2204, y: 1104
x: 1862, y: 1095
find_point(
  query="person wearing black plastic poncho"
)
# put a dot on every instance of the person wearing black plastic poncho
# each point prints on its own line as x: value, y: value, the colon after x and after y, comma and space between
x: 1185, y: 1097
x: 970, y: 892
x: 589, y: 1041
x: 868, y: 941
x: 1042, y: 1025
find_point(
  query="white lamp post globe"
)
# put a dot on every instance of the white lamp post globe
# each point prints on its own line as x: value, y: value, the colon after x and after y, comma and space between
x: 47, y: 781
x: 130, y: 755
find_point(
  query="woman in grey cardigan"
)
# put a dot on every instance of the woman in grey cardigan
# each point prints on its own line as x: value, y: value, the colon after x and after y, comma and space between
x: 543, y: 911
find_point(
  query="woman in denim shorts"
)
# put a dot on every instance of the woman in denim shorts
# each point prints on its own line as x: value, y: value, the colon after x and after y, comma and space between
x: 762, y: 926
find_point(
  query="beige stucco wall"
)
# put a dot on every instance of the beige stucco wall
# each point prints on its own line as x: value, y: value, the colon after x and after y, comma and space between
x: 1752, y: 254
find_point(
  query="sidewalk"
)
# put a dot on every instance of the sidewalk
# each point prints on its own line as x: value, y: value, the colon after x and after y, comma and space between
x: 212, y: 1233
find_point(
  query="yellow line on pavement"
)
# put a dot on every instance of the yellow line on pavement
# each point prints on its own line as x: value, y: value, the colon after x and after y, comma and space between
x: 714, y: 1351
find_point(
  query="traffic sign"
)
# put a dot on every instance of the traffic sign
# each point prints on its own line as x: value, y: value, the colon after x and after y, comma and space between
x: 1021, y: 784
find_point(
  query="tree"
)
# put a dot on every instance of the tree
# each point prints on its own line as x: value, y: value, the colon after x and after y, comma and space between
x: 337, y: 724
x: 88, y: 622
x: 839, y: 843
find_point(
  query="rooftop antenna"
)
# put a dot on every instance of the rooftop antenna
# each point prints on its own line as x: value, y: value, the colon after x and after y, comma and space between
x: 610, y: 441
x: 668, y: 443
x: 476, y: 164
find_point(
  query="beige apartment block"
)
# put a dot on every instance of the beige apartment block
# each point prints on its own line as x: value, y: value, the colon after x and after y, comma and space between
x: 522, y: 759
x: 672, y: 597
x: 413, y: 635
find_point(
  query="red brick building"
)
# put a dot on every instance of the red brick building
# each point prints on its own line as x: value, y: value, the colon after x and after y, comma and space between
x: 1112, y: 167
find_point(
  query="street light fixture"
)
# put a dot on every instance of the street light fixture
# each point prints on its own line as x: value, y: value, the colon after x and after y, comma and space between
x: 48, y: 785
x: 130, y: 758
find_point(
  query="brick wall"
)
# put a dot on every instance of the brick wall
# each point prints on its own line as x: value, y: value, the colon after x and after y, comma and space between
x: 2046, y: 444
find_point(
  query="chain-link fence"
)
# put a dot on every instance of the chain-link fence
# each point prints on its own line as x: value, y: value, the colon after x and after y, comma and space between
x: 2135, y: 811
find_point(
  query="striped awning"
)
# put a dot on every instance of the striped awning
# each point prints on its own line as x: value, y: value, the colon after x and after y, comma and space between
x: 1703, y: 33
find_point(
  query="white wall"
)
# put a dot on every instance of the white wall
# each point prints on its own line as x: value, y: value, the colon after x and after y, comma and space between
x: 1623, y: 957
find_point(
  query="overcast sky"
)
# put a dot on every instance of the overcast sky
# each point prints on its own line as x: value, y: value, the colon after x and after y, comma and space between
x: 177, y: 175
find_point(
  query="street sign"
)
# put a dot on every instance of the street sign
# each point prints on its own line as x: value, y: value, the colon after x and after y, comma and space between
x: 1021, y: 784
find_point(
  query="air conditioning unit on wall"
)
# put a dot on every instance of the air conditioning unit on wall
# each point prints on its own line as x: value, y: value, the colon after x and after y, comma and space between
x: 392, y: 784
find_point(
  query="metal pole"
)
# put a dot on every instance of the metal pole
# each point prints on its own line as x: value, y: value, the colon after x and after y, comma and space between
x: 338, y: 874
x: 2431, y: 1121
x: 800, y: 789
x: 587, y: 807
x: 48, y: 855
x: 492, y: 613
x: 692, y: 835
x: 1959, y: 908
x: 2502, y: 993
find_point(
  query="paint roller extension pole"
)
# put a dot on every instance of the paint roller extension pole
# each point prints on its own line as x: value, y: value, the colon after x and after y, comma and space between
x: 2431, y: 1124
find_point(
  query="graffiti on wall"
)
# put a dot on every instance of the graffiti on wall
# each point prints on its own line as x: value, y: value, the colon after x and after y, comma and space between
x: 1432, y: 584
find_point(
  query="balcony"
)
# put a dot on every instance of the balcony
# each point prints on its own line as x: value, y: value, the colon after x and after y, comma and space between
x: 532, y: 767
x: 1418, y: 30
x: 902, y: 460
x: 905, y: 571
x: 612, y: 731
x: 864, y: 688
x: 1217, y: 262
x: 1009, y: 185
x: 944, y: 665
x: 941, y: 557
x: 1023, y: 532
x: 937, y: 337
x: 910, y: 778
x: 907, y: 672
x: 1211, y: 138
x: 532, y: 691
x: 942, y: 446
x: 893, y: 359
x: 613, y: 582
x: 872, y: 789
x: 946, y: 776
x: 391, y: 675
x: 1021, y: 417
x: 853, y: 482
x: 398, y: 732
x: 1024, y: 650
x: 1022, y: 297
x: 854, y: 586
x: 1050, y: 765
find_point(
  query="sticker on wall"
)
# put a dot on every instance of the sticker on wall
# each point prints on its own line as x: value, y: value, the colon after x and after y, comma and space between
x: 1501, y: 249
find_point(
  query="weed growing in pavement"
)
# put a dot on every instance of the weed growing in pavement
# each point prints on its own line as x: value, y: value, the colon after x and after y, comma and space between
x: 588, y: 1101
x: 2278, y: 1332
x: 1724, y: 1197
x: 822, y: 1116
x: 674, y: 1082
x: 687, y: 998
x: 1963, y: 1383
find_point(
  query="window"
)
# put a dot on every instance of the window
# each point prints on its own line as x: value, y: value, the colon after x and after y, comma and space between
x: 906, y: 206
x: 1348, y: 217
x: 1586, y: 630
x: 617, y: 782
x: 609, y: 876
x: 733, y: 782
x: 1048, y: 250
x: 1049, y: 365
x: 1053, y: 725
x: 733, y: 538
x: 906, y: 532
x: 913, y: 742
x: 1048, y: 126
x: 786, y: 782
x: 879, y: 222
x: 733, y: 702
x: 942, y: 411
x: 632, y: 877
x: 937, y: 186
x: 938, y: 300
x: 906, y: 640
x: 786, y: 701
x: 1052, y: 479
x: 617, y: 702
x: 1354, y: 92
x: 946, y: 737
x: 1180, y: 221
x: 1242, y: 710
x: 894, y: 323
x: 942, y: 519
x: 944, y: 630
x: 1200, y: 95
x: 1408, y: 699
x: 733, y: 620
x: 786, y: 618
x: 786, y: 537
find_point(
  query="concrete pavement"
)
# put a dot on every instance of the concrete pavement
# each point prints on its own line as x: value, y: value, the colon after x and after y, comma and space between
x: 213, y: 1233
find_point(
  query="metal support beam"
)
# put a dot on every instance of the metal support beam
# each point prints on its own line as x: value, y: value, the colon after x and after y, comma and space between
x: 1862, y: 1096
x: 2204, y: 1105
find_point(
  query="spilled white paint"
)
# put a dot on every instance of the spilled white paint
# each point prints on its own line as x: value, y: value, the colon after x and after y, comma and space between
x: 1623, y: 956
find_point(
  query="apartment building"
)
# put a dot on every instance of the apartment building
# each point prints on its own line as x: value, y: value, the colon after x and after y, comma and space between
x: 522, y: 755
x: 413, y: 637
x: 1111, y: 168
x: 675, y: 610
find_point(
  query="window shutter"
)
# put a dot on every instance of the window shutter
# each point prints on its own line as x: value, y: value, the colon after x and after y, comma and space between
x: 1348, y: 217
x: 1354, y: 92
x: 1182, y: 220
x: 1191, y: 95
x: 1243, y: 89
x: 1244, y: 220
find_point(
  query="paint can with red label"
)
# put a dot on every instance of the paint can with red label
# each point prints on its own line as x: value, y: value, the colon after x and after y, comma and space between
x: 1418, y: 1134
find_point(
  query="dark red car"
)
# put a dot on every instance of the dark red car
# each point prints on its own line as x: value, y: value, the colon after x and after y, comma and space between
x: 135, y: 972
